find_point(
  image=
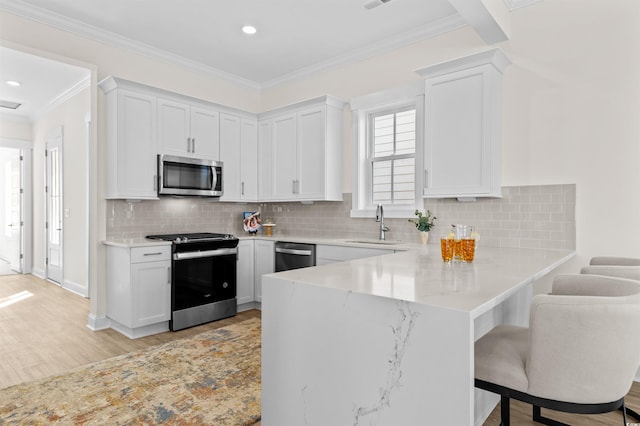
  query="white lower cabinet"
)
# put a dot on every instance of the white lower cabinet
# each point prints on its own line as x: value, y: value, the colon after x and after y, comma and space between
x: 265, y: 263
x: 255, y: 258
x: 245, y: 272
x: 139, y: 289
x: 331, y: 254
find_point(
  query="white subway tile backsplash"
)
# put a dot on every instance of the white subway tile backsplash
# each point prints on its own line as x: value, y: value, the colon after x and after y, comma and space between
x: 526, y: 216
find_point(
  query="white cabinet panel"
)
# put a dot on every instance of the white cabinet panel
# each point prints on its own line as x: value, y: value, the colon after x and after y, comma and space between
x: 463, y: 112
x: 205, y: 133
x: 246, y: 287
x: 265, y: 263
x: 139, y: 289
x: 301, y: 152
x: 265, y: 161
x: 249, y: 160
x: 131, y: 168
x: 188, y: 130
x: 284, y: 142
x: 230, y: 155
x: 151, y: 285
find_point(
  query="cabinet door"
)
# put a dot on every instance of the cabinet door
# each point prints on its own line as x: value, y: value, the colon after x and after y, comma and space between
x: 245, y: 289
x: 173, y: 128
x: 458, y: 135
x: 265, y: 161
x: 249, y: 160
x: 265, y: 264
x: 151, y: 285
x: 284, y: 140
x: 136, y: 164
x: 311, y: 154
x: 205, y: 133
x: 230, y: 155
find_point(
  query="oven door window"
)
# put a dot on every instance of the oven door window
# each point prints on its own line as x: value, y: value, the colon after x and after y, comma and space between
x: 203, y: 280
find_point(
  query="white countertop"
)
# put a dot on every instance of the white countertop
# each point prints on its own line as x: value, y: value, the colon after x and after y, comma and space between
x: 420, y: 276
x: 135, y: 242
x: 347, y: 242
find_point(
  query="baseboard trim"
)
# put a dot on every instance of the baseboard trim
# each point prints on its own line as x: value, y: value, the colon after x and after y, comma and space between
x: 39, y: 273
x: 76, y: 288
x: 98, y: 323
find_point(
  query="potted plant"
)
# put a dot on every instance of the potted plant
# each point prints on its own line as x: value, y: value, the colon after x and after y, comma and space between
x: 424, y: 223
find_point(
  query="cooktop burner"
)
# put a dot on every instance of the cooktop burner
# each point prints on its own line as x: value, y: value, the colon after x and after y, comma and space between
x: 191, y: 237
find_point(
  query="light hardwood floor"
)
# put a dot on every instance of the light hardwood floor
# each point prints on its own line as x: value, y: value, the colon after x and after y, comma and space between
x: 46, y: 334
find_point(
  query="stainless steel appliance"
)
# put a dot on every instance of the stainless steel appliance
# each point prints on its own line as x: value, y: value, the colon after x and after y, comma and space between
x: 294, y: 255
x: 189, y: 176
x: 203, y: 277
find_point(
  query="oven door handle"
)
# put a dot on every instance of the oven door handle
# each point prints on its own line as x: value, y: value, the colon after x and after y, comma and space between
x: 292, y: 251
x: 206, y: 253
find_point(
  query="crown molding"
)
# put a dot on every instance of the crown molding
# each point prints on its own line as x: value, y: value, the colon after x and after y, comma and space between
x: 438, y: 27
x: 62, y: 97
x: 517, y: 4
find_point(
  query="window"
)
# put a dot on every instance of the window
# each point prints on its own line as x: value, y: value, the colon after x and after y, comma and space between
x: 392, y: 139
x: 388, y: 152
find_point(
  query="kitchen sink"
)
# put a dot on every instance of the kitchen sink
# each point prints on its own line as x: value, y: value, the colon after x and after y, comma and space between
x: 372, y: 241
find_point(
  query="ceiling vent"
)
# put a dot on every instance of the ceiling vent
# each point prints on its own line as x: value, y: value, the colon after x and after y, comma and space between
x: 370, y: 4
x: 9, y: 104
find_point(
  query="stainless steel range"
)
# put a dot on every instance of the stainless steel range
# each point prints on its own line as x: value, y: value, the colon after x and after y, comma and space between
x: 203, y: 277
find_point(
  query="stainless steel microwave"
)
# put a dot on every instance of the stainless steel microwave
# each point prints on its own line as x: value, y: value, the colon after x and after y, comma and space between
x: 189, y: 176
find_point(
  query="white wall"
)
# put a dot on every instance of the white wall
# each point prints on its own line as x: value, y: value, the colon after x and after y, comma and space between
x: 71, y: 116
x: 15, y: 129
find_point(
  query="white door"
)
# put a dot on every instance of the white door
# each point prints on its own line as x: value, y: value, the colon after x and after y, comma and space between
x: 11, y: 211
x: 53, y: 191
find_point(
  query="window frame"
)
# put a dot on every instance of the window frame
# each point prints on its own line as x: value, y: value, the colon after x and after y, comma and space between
x: 411, y: 96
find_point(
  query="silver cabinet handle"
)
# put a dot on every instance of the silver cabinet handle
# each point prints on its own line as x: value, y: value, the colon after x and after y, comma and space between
x: 152, y: 254
x: 294, y: 186
x: 242, y: 190
x: 169, y: 275
x: 193, y: 144
x: 292, y: 251
x: 206, y: 253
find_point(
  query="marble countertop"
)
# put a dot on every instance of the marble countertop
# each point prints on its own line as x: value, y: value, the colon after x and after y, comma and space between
x: 421, y: 276
x: 346, y: 242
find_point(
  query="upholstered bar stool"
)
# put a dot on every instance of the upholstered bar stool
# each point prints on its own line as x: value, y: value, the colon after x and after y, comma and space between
x: 614, y: 261
x: 629, y: 272
x: 576, y: 355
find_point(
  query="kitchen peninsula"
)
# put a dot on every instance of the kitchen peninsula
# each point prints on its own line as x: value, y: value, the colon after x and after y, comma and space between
x: 389, y: 339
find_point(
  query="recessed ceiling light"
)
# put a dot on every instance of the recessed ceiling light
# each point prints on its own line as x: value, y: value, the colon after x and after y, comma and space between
x: 249, y: 29
x: 13, y: 83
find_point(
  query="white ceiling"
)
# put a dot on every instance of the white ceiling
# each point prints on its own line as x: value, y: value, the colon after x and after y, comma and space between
x: 294, y: 37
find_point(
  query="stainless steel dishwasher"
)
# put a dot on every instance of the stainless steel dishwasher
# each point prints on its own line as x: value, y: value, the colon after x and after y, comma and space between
x: 294, y: 255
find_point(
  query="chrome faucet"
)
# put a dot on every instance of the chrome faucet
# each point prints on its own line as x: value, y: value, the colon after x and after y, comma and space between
x: 380, y: 218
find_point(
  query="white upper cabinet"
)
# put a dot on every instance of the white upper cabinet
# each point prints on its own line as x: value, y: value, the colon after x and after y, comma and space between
x: 238, y: 152
x: 265, y: 163
x: 131, y: 165
x: 305, y: 145
x: 284, y: 161
x: 463, y: 111
x: 249, y: 159
x: 188, y: 130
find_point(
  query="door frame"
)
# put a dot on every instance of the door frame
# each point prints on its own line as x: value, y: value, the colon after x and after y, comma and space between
x: 26, y: 229
x: 55, y: 135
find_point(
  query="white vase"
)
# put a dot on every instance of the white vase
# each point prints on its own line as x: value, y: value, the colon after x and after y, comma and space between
x: 424, y: 236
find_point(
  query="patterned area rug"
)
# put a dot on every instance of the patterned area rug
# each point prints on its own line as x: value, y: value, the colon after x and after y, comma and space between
x: 210, y: 379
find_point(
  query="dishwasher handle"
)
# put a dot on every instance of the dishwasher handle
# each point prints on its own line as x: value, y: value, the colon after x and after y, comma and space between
x: 293, y: 251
